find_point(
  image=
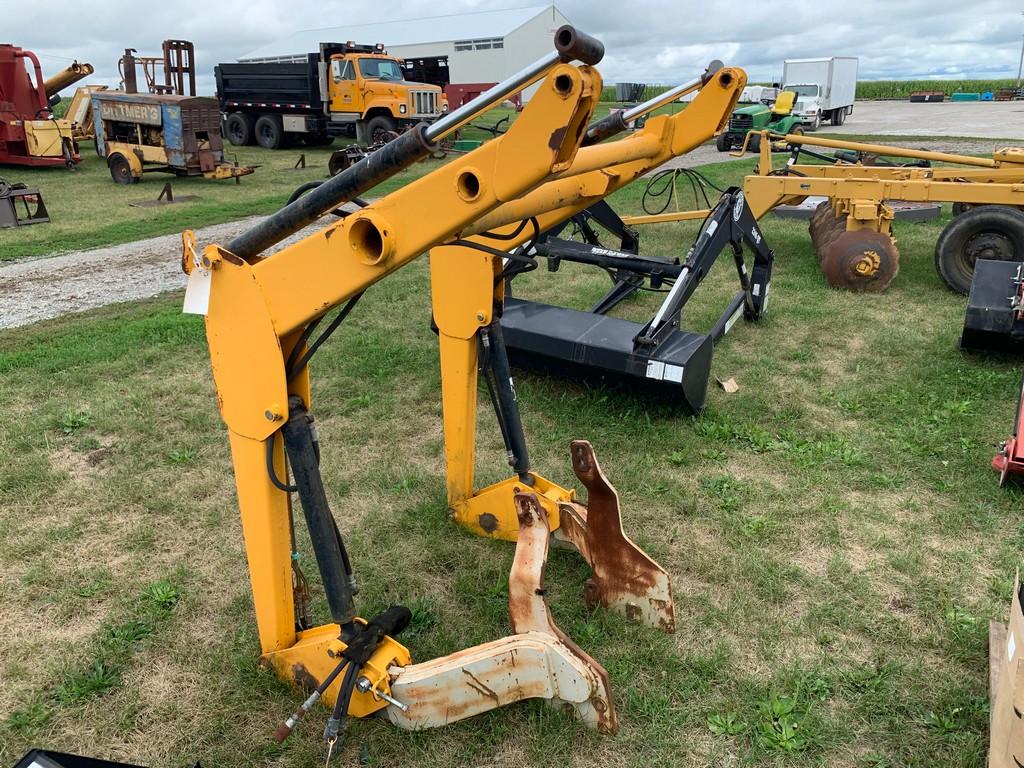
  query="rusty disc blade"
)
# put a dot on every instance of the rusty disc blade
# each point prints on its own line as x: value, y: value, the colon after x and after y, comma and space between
x: 814, y: 225
x: 861, y: 260
x: 831, y: 230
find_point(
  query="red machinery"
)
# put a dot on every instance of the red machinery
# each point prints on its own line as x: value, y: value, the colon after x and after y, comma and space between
x: 1010, y: 459
x: 29, y: 132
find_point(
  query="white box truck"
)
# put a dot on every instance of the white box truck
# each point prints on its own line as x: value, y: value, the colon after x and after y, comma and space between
x: 825, y: 88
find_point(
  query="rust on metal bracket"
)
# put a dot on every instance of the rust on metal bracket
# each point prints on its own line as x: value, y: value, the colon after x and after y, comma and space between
x: 625, y: 577
x: 528, y: 606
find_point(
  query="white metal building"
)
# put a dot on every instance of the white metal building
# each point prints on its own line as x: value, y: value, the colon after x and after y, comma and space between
x: 482, y: 47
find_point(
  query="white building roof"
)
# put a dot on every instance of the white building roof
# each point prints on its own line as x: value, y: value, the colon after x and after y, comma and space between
x: 436, y: 29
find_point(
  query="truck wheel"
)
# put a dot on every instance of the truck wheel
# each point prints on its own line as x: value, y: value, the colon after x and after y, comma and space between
x: 838, y: 116
x: 378, y: 126
x: 993, y: 232
x: 816, y: 124
x: 723, y: 143
x: 120, y: 169
x: 239, y: 129
x: 270, y: 132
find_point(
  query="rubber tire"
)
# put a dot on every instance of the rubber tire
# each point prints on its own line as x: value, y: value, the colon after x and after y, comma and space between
x: 239, y: 129
x: 816, y: 124
x: 754, y: 143
x: 723, y: 143
x: 796, y: 130
x: 379, y: 123
x: 950, y: 261
x: 120, y: 169
x: 270, y: 132
x: 839, y: 116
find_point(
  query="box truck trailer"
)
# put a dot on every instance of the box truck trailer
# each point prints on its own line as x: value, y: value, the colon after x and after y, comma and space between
x: 825, y: 88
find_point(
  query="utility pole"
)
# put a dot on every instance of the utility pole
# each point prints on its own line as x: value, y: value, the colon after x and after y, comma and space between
x: 1020, y: 66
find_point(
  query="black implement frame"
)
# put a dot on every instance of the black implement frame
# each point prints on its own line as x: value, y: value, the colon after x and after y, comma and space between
x: 658, y: 355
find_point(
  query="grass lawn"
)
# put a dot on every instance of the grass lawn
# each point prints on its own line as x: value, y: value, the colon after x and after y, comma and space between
x: 837, y: 540
x: 88, y: 210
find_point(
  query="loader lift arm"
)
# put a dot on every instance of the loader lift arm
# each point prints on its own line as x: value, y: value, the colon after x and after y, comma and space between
x: 261, y: 312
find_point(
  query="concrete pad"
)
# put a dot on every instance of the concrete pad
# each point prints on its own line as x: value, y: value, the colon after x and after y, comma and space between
x: 981, y: 119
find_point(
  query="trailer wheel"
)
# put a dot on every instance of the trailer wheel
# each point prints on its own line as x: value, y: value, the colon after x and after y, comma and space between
x: 270, y: 132
x: 994, y: 232
x: 120, y: 169
x: 377, y: 126
x: 723, y: 143
x: 239, y: 129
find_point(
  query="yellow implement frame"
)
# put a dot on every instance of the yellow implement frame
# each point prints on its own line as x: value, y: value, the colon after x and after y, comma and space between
x: 857, y: 196
x: 257, y: 309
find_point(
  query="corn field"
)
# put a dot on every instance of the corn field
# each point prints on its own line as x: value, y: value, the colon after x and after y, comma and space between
x: 901, y: 89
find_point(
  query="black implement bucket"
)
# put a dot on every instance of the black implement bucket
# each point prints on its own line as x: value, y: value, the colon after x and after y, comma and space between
x: 600, y: 349
x: 995, y: 312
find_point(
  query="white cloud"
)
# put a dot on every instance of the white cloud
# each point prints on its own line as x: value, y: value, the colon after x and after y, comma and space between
x: 646, y: 40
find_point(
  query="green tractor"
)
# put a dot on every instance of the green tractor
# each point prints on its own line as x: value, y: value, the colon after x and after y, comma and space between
x: 778, y: 118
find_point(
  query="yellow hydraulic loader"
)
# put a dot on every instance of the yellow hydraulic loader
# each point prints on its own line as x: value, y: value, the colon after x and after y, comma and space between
x: 266, y: 317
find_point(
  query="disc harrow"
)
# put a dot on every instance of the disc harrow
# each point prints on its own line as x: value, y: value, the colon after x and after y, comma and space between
x: 860, y: 260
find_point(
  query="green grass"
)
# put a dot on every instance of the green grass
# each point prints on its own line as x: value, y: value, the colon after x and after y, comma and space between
x: 837, y: 540
x: 88, y: 210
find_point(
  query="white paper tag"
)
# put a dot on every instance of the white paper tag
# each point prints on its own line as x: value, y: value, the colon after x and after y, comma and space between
x: 673, y: 373
x: 197, y: 292
x: 655, y: 369
x: 1011, y: 647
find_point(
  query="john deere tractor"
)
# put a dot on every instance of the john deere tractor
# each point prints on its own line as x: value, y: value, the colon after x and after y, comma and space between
x: 778, y: 118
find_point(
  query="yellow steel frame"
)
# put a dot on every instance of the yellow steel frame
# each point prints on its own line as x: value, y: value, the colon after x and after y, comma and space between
x: 257, y: 309
x: 464, y: 291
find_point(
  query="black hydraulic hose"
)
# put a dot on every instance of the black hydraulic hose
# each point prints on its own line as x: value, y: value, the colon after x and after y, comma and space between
x: 272, y: 472
x: 339, y: 715
x: 295, y: 367
x: 358, y: 178
x: 284, y: 730
x: 328, y: 546
x: 519, y: 456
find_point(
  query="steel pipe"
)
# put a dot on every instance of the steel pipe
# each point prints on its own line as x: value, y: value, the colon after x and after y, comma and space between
x: 882, y: 149
x: 570, y: 45
x: 618, y: 122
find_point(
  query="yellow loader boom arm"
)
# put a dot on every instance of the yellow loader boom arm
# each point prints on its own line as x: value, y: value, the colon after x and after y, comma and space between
x: 261, y: 312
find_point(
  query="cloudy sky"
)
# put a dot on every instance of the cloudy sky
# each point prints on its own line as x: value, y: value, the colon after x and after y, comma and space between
x: 646, y: 40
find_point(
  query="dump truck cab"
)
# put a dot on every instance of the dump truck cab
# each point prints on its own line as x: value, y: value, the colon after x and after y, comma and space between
x: 368, y: 86
x: 780, y: 117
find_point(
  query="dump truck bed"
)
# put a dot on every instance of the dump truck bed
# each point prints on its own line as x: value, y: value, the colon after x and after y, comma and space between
x: 294, y: 86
